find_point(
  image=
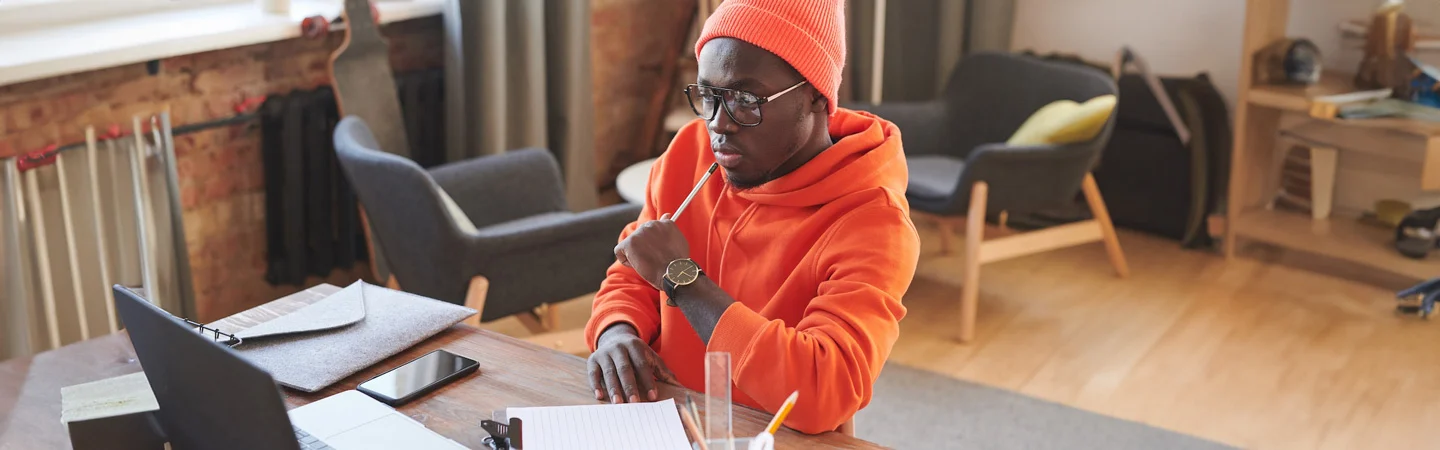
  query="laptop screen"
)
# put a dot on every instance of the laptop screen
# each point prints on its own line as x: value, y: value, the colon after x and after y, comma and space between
x: 209, y: 397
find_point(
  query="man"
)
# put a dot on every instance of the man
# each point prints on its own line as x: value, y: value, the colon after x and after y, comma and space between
x: 795, y: 260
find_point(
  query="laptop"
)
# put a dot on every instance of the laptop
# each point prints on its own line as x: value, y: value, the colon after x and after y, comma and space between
x: 212, y: 398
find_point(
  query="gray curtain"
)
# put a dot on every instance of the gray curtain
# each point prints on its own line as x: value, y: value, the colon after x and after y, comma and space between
x: 517, y: 75
x: 924, y: 39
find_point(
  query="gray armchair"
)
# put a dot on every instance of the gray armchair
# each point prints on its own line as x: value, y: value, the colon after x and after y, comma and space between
x: 505, y: 244
x: 961, y: 170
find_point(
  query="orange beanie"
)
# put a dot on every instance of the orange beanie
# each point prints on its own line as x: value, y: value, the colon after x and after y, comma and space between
x: 808, y: 34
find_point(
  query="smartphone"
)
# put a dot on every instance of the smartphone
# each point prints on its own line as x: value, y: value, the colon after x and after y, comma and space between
x: 416, y: 378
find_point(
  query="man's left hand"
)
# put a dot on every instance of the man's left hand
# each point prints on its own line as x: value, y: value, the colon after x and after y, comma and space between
x: 651, y: 248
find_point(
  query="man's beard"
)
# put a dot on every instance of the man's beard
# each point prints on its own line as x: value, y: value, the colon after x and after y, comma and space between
x: 743, y: 185
x: 768, y: 176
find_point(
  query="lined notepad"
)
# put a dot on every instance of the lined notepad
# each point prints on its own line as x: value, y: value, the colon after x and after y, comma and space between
x: 635, y: 426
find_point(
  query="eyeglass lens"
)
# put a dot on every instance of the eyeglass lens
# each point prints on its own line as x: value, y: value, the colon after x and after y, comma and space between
x: 742, y: 106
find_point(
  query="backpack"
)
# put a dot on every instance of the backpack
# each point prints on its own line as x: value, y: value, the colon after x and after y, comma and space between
x: 1166, y: 168
x: 1151, y: 179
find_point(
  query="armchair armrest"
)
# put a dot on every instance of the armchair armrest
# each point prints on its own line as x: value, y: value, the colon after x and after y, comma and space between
x: 606, y: 222
x: 1027, y: 178
x: 504, y: 187
x: 924, y: 125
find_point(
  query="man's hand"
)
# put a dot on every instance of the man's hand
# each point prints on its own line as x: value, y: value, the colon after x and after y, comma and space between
x: 622, y: 363
x: 652, y: 247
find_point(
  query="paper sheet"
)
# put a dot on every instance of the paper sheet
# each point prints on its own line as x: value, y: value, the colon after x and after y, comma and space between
x: 634, y: 426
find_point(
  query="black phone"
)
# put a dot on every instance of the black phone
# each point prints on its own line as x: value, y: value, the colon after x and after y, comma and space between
x: 416, y: 378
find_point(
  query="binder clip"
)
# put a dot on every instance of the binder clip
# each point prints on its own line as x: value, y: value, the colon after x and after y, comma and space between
x: 503, y: 436
x: 1419, y: 300
x: 220, y: 337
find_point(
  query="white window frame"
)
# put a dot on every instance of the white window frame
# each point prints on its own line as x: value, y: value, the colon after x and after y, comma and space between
x: 22, y: 15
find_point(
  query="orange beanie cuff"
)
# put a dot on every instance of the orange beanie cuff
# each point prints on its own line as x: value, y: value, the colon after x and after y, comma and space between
x: 808, y: 34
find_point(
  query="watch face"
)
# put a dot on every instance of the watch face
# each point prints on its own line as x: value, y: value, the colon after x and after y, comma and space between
x: 682, y: 272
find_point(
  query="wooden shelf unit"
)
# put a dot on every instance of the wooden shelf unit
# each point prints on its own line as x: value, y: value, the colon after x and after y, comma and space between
x: 1339, y: 238
x: 1298, y: 98
x: 1257, y: 122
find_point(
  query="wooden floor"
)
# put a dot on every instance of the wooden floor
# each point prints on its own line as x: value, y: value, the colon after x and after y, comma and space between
x: 1248, y: 353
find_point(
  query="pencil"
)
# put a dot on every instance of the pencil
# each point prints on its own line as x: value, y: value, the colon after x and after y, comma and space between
x: 784, y: 411
x: 676, y: 217
x: 692, y: 429
x: 691, y: 403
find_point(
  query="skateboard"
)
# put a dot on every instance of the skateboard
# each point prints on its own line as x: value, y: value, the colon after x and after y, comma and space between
x: 365, y: 87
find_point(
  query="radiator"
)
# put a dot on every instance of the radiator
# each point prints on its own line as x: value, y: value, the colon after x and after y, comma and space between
x: 311, y: 216
x: 75, y: 222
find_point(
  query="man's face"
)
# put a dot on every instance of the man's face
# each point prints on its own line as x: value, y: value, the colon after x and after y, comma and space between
x: 754, y: 155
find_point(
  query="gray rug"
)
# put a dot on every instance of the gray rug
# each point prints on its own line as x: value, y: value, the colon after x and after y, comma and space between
x: 915, y: 409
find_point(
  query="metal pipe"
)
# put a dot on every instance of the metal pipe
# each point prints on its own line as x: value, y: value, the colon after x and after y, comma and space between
x: 180, y: 130
x: 21, y: 339
x: 94, y: 172
x: 877, y: 68
x: 141, y: 190
x: 118, y: 158
x: 42, y: 256
x: 68, y: 220
x: 166, y: 140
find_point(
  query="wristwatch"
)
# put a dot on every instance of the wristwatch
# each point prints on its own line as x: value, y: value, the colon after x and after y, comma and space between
x: 680, y: 272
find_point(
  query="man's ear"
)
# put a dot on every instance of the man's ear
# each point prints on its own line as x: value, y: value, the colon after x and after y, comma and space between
x: 818, y: 103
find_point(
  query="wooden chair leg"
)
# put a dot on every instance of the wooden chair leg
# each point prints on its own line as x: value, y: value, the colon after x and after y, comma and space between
x: 550, y: 316
x: 1107, y: 229
x: 974, y: 236
x: 947, y: 235
x: 533, y: 321
x: 475, y: 298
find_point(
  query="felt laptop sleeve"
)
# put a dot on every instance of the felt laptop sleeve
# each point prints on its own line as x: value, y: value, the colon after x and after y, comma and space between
x: 350, y: 330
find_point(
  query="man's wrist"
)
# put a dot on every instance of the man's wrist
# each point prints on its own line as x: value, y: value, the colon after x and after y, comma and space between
x: 691, y: 292
x: 617, y: 329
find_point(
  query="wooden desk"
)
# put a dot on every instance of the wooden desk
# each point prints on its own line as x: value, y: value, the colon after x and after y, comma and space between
x: 512, y: 373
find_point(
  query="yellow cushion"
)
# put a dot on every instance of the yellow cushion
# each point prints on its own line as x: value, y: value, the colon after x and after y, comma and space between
x: 1065, y: 122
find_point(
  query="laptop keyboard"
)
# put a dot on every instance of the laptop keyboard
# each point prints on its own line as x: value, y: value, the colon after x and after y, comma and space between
x: 308, y: 442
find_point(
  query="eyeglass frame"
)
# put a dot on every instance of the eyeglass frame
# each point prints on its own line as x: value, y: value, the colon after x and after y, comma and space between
x: 720, y: 101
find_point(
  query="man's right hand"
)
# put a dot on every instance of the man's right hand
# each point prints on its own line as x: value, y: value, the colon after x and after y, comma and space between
x: 624, y: 367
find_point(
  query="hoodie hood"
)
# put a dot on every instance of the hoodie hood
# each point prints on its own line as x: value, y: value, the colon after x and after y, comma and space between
x: 867, y: 154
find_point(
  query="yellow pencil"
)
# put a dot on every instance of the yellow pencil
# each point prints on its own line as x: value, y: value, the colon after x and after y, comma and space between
x: 784, y: 411
x: 692, y: 428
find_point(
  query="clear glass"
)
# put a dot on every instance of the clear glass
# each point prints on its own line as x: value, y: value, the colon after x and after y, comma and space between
x: 718, y: 432
x: 721, y: 444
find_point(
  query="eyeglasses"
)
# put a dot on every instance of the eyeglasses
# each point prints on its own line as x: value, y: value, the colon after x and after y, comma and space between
x: 743, y: 107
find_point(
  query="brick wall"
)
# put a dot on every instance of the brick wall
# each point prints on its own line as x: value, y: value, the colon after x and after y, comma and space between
x: 221, y: 178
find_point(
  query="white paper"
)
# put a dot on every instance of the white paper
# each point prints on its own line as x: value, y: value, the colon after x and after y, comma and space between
x: 634, y: 426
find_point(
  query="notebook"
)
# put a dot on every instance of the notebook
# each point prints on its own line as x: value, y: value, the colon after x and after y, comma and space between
x: 632, y: 426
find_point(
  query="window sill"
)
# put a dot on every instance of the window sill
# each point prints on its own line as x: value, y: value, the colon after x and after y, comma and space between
x: 61, y: 50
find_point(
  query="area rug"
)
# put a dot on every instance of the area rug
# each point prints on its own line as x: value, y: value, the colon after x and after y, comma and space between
x: 916, y: 409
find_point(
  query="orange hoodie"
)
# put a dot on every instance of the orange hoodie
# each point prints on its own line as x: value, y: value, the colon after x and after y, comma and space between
x: 817, y: 261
